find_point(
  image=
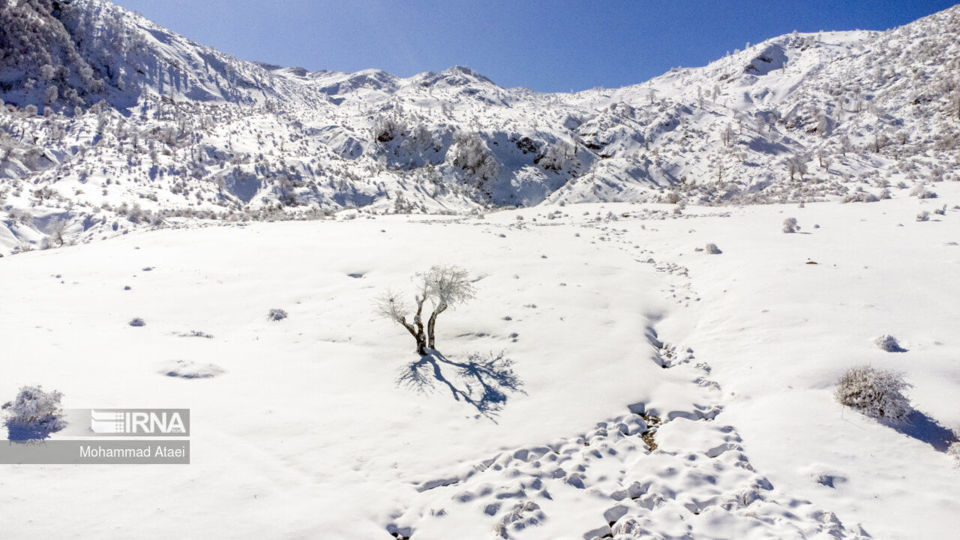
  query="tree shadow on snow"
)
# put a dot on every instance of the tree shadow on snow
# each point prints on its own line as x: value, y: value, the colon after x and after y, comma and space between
x: 482, y: 381
x: 924, y: 428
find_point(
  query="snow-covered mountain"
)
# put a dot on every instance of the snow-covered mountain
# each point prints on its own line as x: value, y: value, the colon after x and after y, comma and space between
x: 113, y: 122
x: 698, y: 350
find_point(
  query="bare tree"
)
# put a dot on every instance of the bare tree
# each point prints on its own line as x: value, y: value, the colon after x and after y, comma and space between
x: 727, y: 136
x: 879, y: 141
x: 57, y: 230
x: 824, y: 158
x: 797, y: 165
x: 823, y: 125
x: 443, y: 287
x: 845, y: 145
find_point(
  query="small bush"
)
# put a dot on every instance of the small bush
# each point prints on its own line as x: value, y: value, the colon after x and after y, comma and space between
x: 472, y: 155
x: 34, y: 413
x: 920, y: 191
x: 790, y: 225
x: 277, y: 315
x: 874, y: 392
x: 387, y: 129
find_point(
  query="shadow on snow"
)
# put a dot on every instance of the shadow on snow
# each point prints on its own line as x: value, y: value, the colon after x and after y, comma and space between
x: 924, y: 428
x: 482, y: 381
x: 26, y: 431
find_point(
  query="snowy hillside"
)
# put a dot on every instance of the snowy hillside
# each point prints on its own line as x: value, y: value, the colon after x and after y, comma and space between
x: 138, y: 126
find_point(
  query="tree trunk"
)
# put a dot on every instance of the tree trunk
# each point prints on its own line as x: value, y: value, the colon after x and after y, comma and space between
x: 417, y: 334
x: 418, y: 320
x: 431, y: 325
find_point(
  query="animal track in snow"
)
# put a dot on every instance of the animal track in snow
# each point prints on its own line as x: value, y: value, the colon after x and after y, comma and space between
x: 675, y: 473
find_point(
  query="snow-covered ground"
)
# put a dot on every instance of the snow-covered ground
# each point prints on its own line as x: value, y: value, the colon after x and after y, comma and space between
x: 659, y: 390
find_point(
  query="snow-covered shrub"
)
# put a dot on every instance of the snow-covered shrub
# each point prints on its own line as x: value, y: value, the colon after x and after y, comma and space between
x: 861, y: 196
x: 797, y: 165
x: 35, y: 411
x: 277, y: 315
x: 50, y: 96
x: 472, y: 155
x: 888, y: 343
x: 671, y: 198
x: 188, y: 369
x: 556, y: 157
x: 712, y: 249
x: 386, y: 129
x: 920, y: 191
x: 874, y: 392
x: 420, y: 138
x: 790, y: 225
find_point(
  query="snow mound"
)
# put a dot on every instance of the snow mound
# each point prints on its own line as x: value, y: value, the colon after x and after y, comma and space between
x: 189, y: 369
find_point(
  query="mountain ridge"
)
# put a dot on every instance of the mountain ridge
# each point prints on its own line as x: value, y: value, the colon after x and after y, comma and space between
x: 143, y: 120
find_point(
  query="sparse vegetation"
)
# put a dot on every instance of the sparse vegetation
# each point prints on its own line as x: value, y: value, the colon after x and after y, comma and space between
x: 790, y: 225
x: 34, y: 413
x: 443, y: 288
x: 874, y: 392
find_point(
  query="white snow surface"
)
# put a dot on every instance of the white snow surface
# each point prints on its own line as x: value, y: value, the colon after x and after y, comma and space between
x: 616, y: 320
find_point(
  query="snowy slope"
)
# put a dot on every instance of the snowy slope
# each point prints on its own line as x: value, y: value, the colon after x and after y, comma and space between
x: 65, y: 54
x: 184, y: 131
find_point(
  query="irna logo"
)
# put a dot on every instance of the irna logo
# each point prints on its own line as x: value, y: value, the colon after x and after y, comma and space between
x: 156, y: 422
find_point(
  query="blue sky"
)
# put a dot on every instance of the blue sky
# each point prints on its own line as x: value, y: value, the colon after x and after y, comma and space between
x: 547, y: 46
